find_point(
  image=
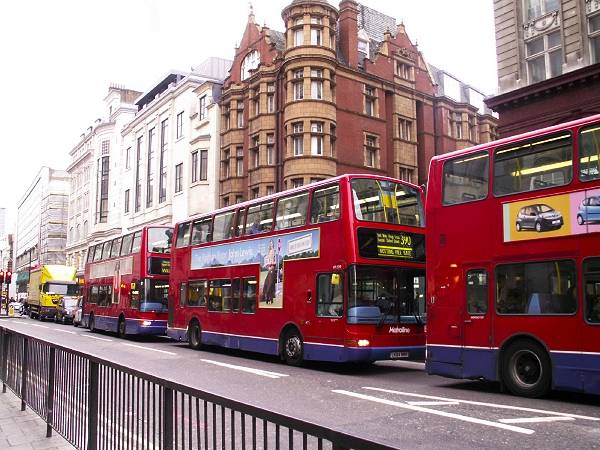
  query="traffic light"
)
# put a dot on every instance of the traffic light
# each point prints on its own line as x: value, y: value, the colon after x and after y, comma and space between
x: 7, y: 276
x: 1, y: 276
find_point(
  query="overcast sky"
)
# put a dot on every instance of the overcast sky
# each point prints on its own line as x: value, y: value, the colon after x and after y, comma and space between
x: 59, y: 57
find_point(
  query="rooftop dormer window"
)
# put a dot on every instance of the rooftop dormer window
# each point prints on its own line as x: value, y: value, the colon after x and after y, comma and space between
x: 250, y: 63
x: 363, y: 42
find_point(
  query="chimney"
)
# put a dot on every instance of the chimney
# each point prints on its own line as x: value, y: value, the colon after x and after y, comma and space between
x: 348, y: 39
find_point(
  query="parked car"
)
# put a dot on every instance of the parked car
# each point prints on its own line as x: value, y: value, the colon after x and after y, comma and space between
x: 589, y: 210
x: 539, y: 217
x: 65, y: 310
x: 78, y: 316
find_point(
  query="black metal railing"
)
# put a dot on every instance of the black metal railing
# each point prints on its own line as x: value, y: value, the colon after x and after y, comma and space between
x: 98, y: 404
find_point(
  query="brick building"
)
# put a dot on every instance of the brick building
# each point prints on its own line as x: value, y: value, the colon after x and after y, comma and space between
x: 548, y: 62
x: 339, y: 91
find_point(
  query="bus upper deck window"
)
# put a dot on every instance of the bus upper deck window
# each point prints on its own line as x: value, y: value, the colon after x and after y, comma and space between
x: 183, y: 235
x: 466, y: 179
x: 533, y: 165
x: 589, y: 153
x: 325, y: 204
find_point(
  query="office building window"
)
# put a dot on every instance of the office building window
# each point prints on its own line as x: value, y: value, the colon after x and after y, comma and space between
x: 225, y: 170
x: 316, y: 138
x: 162, y: 172
x: 203, y: 164
x: 179, y: 177
x: 180, y: 125
x: 544, y: 57
x: 194, y: 165
x: 239, y: 161
x: 594, y: 30
x: 316, y: 84
x: 128, y: 158
x: 371, y: 151
x: 202, y: 108
x: 405, y: 129
x: 240, y: 114
x: 370, y: 101
x: 138, y: 174
x: 538, y: 8
x: 457, y: 130
x: 150, y: 168
x: 298, y: 139
x: 298, y: 85
x: 126, y: 201
x: 405, y: 174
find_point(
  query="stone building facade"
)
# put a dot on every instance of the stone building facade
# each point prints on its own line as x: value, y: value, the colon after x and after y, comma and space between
x: 170, y: 148
x: 94, y: 213
x: 548, y: 62
x: 41, y: 227
x: 339, y: 91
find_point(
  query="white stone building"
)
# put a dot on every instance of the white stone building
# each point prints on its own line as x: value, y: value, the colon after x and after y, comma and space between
x: 170, y: 149
x: 94, y: 207
x: 41, y: 224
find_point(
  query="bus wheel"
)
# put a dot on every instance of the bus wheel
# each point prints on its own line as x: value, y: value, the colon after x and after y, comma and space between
x: 92, y: 323
x: 293, y: 350
x: 122, y: 328
x: 194, y: 336
x: 526, y: 369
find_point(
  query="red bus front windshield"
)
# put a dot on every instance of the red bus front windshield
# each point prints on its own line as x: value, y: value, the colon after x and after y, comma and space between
x: 152, y: 295
x: 159, y: 240
x: 387, y: 202
x: 385, y: 295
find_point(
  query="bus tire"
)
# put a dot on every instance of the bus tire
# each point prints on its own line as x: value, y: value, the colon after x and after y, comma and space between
x: 194, y: 335
x: 92, y: 323
x: 293, y: 348
x: 122, y: 328
x: 526, y: 369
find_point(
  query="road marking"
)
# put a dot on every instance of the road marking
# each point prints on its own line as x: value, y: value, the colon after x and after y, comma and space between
x: 66, y: 331
x: 436, y: 413
x: 96, y: 337
x: 432, y: 403
x: 491, y: 405
x: 535, y: 419
x: 36, y: 325
x: 151, y: 349
x: 262, y: 373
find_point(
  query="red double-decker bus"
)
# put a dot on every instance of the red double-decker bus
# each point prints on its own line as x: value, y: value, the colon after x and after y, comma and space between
x: 513, y: 261
x: 332, y: 271
x: 127, y: 282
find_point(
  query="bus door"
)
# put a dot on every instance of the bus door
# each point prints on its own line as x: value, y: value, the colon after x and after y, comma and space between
x: 327, y: 324
x: 478, y: 357
x: 591, y: 335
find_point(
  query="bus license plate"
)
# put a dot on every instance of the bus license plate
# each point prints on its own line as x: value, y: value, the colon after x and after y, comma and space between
x: 398, y: 355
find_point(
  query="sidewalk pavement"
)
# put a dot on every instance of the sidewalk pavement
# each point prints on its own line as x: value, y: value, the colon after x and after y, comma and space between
x: 25, y: 430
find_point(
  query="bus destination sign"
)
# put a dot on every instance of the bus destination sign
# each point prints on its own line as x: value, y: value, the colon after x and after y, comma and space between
x: 159, y: 266
x: 395, y: 245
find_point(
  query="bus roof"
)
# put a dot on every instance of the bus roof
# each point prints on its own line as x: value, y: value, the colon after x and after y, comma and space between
x: 276, y: 195
x: 518, y: 137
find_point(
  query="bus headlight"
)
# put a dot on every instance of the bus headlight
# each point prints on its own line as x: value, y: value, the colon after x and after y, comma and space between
x: 363, y: 343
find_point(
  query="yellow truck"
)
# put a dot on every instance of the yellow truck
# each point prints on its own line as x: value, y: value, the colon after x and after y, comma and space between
x: 48, y: 285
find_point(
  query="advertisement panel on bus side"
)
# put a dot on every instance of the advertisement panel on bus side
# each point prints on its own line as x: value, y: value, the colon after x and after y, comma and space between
x: 270, y: 253
x: 552, y: 216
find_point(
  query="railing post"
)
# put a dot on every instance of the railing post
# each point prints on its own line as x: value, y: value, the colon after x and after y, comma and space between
x: 24, y: 373
x: 92, y: 425
x: 167, y: 416
x: 50, y: 397
x: 5, y: 338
